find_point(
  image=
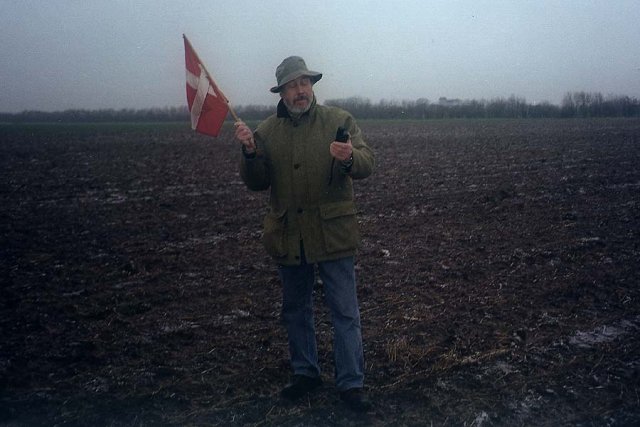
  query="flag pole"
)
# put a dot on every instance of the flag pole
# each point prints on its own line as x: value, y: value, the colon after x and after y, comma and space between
x: 231, y: 110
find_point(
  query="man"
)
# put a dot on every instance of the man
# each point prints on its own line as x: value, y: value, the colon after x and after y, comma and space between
x: 311, y: 222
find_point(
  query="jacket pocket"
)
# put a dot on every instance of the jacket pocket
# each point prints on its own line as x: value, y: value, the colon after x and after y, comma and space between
x: 274, y: 236
x: 339, y: 226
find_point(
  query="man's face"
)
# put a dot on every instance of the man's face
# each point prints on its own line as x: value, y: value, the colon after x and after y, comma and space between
x: 298, y: 94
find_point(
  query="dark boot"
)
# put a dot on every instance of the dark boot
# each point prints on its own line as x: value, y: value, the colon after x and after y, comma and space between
x: 299, y: 386
x: 356, y: 399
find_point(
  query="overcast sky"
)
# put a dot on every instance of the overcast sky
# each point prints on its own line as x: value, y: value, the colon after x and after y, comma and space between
x: 91, y: 54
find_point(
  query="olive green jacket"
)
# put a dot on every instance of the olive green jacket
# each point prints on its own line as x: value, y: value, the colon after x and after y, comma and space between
x: 311, y: 200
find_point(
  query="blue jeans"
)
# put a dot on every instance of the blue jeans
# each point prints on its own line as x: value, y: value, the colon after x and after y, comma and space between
x: 339, y: 282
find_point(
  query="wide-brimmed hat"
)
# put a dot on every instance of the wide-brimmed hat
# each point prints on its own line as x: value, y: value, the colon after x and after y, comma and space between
x: 292, y: 68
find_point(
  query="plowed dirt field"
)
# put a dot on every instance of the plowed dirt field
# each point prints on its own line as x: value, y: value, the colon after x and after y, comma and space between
x: 499, y: 279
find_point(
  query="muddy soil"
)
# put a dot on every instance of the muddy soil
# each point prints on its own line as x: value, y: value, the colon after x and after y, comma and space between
x: 498, y: 279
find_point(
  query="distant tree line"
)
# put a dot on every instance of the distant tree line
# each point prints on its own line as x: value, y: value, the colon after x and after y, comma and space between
x: 167, y: 114
x: 574, y: 104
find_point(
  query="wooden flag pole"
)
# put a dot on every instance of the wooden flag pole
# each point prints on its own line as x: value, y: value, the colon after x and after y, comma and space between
x: 213, y: 82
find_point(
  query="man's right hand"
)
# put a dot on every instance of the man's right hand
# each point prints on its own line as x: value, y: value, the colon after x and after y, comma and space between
x: 244, y: 135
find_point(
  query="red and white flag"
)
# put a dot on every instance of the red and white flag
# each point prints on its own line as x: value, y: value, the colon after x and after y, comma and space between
x: 208, y: 106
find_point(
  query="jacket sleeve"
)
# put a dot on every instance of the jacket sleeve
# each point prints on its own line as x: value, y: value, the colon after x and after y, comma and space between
x: 363, y: 156
x: 254, y: 170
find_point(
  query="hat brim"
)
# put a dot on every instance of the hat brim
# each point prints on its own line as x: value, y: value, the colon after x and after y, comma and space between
x: 313, y: 75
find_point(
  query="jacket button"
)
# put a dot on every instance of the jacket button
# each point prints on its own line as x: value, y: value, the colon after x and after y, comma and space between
x: 296, y: 166
x: 299, y: 210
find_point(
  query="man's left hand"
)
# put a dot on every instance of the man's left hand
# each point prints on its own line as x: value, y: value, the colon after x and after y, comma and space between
x: 341, y: 150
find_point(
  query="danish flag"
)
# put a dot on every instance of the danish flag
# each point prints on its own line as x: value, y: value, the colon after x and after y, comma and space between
x: 207, y: 105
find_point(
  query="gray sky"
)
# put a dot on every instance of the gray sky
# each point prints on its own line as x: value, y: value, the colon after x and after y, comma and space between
x: 91, y: 54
